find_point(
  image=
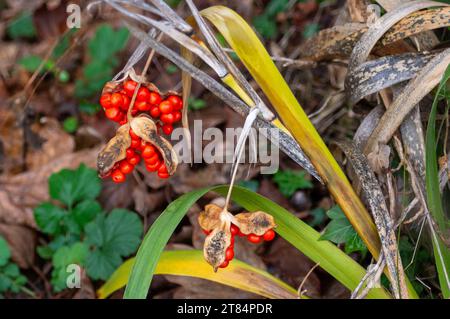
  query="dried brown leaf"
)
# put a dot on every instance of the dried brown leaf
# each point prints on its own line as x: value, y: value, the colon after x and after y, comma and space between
x: 22, y: 242
x: 414, y: 91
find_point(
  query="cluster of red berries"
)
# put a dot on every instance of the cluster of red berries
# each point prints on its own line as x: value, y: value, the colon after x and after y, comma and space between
x: 139, y: 149
x: 255, y: 239
x: 167, y: 111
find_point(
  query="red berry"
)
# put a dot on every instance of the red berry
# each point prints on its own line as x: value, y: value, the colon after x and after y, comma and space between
x: 126, y: 102
x: 134, y: 160
x: 152, y: 167
x: 134, y: 111
x: 148, y: 151
x: 118, y: 176
x: 167, y: 118
x: 206, y: 232
x: 231, y: 242
x: 135, y: 144
x: 241, y: 234
x: 167, y: 129
x: 253, y: 238
x: 176, y: 101
x: 152, y: 160
x: 130, y: 153
x: 176, y: 116
x: 162, y: 168
x: 116, y: 100
x: 162, y: 171
x: 165, y: 107
x: 155, y: 112
x: 143, y: 94
x: 122, y: 122
x: 112, y: 113
x: 120, y: 118
x: 154, y: 98
x: 224, y: 264
x: 234, y: 230
x: 133, y: 135
x: 163, y: 175
x: 229, y: 253
x: 126, y: 167
x: 129, y: 87
x: 105, y: 100
x: 142, y: 106
x: 269, y: 235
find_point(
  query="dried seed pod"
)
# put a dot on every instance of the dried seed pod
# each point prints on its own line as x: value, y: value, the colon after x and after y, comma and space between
x: 216, y: 244
x: 114, y: 151
x: 146, y: 129
x: 209, y: 219
x: 255, y: 223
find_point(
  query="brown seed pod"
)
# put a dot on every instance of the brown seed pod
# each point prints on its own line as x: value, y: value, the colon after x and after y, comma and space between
x: 146, y: 129
x: 209, y: 219
x: 255, y: 223
x: 216, y: 244
x: 114, y: 151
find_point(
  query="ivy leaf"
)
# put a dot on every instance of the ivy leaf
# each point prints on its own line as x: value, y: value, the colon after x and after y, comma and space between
x: 111, y: 237
x: 289, y: 181
x: 72, y: 186
x: 63, y: 257
x: 340, y: 231
x: 318, y: 217
x: 48, y: 217
x: 5, y: 253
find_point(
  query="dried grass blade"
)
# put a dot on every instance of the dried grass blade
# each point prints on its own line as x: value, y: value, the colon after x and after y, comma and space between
x: 416, y: 89
x: 365, y: 45
x: 380, y: 212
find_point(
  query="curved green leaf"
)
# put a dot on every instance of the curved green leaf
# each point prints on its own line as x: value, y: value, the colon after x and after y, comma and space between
x: 298, y: 233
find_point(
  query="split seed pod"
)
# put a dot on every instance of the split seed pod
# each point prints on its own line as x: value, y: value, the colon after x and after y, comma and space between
x: 216, y: 244
x: 114, y: 151
x: 146, y: 129
x: 255, y: 222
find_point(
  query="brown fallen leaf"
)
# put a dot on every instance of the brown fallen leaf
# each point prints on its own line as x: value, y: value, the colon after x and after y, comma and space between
x: 56, y: 143
x: 22, y: 242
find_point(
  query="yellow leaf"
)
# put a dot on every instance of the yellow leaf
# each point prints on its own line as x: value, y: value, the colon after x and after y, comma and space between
x: 192, y: 264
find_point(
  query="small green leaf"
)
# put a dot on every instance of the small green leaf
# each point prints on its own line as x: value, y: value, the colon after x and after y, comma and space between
x: 310, y: 30
x: 21, y: 27
x: 70, y: 124
x: 289, y: 181
x: 266, y: 26
x: 63, y: 257
x: 89, y: 108
x: 72, y: 186
x: 340, y: 231
x: 318, y: 217
x: 171, y: 69
x: 48, y: 217
x: 196, y: 104
x: 63, y: 76
x: 31, y: 62
x: 5, y: 253
x: 112, y: 237
x: 107, y: 42
x: 85, y: 211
